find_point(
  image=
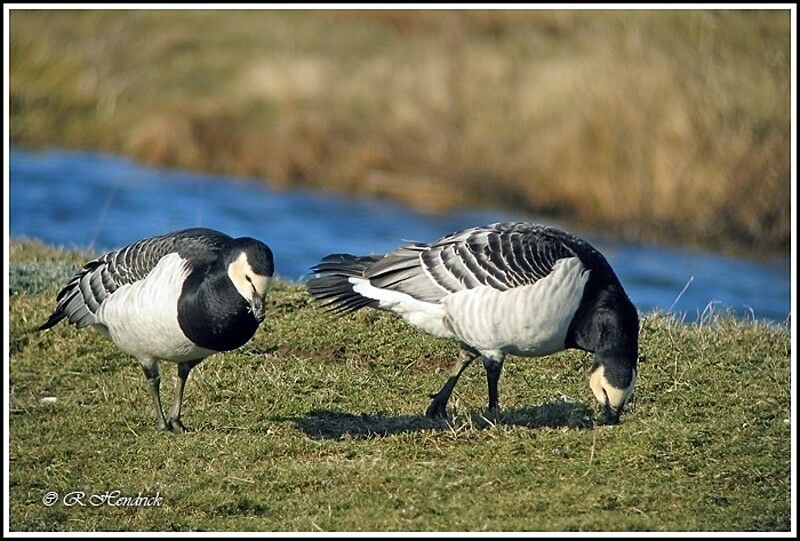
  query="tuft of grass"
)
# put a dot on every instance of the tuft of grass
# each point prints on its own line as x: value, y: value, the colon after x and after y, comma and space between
x: 670, y: 124
x: 316, y: 425
x: 36, y: 277
x: 36, y: 266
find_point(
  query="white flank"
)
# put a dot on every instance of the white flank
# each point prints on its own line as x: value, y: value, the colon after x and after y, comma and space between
x: 142, y: 318
x: 530, y: 320
x: 426, y: 316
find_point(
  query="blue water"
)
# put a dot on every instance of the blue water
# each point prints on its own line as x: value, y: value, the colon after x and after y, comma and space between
x: 79, y: 199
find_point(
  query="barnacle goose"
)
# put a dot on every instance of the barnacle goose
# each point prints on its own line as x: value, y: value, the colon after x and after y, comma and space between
x: 506, y: 288
x: 176, y: 297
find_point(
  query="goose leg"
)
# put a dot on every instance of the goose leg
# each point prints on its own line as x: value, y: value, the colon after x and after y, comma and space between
x: 438, y: 407
x: 150, y: 367
x: 174, y: 420
x: 493, y: 368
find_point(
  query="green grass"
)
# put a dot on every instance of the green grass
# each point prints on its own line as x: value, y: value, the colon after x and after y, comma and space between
x: 670, y: 124
x: 316, y: 424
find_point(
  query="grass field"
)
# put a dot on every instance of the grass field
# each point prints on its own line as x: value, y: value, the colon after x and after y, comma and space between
x: 665, y: 124
x: 316, y: 425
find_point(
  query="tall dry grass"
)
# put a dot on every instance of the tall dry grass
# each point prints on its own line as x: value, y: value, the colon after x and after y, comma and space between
x: 651, y: 124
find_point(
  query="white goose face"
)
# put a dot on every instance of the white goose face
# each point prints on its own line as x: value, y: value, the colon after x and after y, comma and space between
x: 611, y: 398
x: 250, y: 285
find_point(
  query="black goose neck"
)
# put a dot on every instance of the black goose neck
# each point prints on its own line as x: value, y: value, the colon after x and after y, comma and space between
x: 212, y: 313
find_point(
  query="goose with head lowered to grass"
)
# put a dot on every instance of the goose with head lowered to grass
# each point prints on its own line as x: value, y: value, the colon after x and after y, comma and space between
x: 506, y: 288
x: 177, y: 297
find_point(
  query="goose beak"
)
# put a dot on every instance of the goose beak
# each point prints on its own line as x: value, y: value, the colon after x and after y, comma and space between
x: 258, y: 309
x: 610, y: 416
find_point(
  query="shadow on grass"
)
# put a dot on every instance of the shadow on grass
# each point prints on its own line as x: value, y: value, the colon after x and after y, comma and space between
x: 327, y: 424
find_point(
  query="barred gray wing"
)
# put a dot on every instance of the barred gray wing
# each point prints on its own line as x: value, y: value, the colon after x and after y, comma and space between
x: 80, y: 298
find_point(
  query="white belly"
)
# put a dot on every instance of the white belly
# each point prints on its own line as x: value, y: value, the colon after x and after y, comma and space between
x: 142, y: 318
x: 531, y: 320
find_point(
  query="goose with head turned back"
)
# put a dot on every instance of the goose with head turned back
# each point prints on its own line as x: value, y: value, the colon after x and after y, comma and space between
x: 176, y: 297
x: 506, y: 288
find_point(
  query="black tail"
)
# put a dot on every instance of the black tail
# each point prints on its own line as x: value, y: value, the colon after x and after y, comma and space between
x: 332, y: 286
x: 56, y: 316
